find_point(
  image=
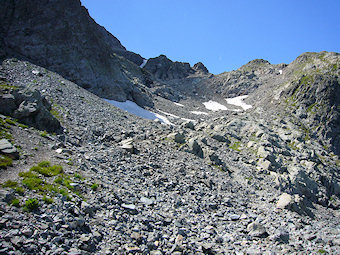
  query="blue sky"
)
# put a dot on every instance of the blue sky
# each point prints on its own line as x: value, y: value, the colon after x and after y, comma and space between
x: 222, y: 34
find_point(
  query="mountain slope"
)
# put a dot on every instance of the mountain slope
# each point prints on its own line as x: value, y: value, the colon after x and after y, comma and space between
x: 207, y: 192
x: 61, y: 36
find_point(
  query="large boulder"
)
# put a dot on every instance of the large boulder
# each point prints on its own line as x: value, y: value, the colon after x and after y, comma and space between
x: 31, y: 108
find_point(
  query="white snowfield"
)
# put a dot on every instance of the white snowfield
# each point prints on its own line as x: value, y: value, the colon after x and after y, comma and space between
x: 133, y: 108
x: 144, y: 63
x: 214, y: 106
x: 238, y: 101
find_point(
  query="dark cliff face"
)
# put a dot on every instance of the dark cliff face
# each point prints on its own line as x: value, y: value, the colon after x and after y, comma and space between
x: 61, y: 36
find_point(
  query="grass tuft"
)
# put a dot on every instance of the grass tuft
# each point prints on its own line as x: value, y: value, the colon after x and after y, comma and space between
x: 31, y: 204
x: 9, y: 184
x: 94, y: 186
x: 5, y: 161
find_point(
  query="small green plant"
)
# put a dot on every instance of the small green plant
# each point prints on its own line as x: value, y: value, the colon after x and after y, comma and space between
x: 70, y: 162
x: 94, y: 186
x: 78, y: 176
x: 28, y: 174
x: 9, y: 184
x: 235, y: 146
x: 5, y: 161
x: 31, y: 204
x: 22, y: 125
x: 15, y: 202
x: 43, y: 134
x: 10, y: 122
x: 19, y: 190
x: 63, y: 192
x: 44, y: 164
x: 33, y: 183
x: 5, y: 86
x: 45, y: 169
x: 293, y: 146
x: 322, y: 251
x: 48, y: 200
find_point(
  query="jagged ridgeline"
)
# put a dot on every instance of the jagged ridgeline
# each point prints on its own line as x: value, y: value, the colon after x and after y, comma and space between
x: 243, y: 162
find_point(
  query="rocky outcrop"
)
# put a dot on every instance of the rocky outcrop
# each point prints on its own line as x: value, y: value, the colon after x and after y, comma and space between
x: 164, y: 69
x: 199, y: 67
x: 61, y: 36
x: 29, y: 107
x: 312, y: 95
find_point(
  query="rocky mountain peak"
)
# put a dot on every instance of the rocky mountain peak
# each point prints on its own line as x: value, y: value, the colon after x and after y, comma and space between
x: 165, y: 69
x: 200, y: 68
x: 255, y: 64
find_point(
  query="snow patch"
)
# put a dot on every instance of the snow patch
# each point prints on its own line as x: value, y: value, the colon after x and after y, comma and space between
x: 169, y: 114
x: 144, y: 63
x: 199, y: 113
x: 214, y: 106
x: 178, y: 104
x: 133, y: 108
x: 280, y: 71
x: 238, y: 101
x: 188, y: 120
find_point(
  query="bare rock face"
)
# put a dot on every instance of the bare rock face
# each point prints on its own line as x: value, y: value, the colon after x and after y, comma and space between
x: 312, y: 95
x: 164, y: 69
x: 61, y: 36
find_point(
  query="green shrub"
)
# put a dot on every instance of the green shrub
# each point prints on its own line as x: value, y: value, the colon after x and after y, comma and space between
x: 9, y: 184
x: 31, y: 204
x: 5, y: 161
x: 94, y: 186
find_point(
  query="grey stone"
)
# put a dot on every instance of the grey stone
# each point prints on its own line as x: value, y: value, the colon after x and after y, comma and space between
x: 220, y: 138
x: 257, y: 230
x: 177, y: 137
x: 128, y: 145
x: 146, y: 200
x: 8, y: 149
x: 129, y: 206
